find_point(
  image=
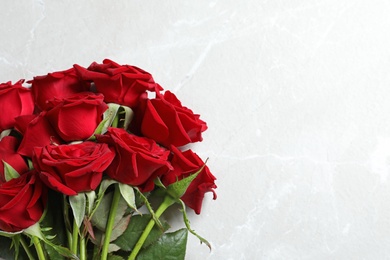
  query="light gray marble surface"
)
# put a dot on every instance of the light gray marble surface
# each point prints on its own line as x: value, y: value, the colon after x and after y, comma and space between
x: 296, y: 95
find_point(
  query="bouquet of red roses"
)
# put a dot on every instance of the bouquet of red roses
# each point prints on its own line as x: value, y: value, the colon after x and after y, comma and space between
x: 90, y: 158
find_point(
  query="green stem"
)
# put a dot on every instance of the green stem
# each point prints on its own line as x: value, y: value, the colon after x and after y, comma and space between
x: 167, y: 202
x: 83, y: 254
x: 38, y: 248
x: 110, y: 222
x: 66, y: 221
x: 75, y: 236
x: 26, y: 248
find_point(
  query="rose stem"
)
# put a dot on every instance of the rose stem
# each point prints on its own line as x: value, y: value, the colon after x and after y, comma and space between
x: 75, y: 236
x: 26, y: 248
x: 38, y: 247
x: 66, y: 220
x: 110, y: 222
x: 83, y: 254
x: 168, y: 201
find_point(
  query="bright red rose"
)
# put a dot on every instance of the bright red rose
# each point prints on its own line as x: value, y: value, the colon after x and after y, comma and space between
x: 137, y: 158
x: 76, y: 117
x: 167, y: 122
x: 59, y: 85
x: 121, y: 84
x: 22, y: 202
x: 184, y: 164
x: 36, y: 133
x: 15, y: 100
x: 71, y: 169
x: 8, y: 147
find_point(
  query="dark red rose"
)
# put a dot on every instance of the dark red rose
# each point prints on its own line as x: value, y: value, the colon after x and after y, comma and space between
x: 8, y: 147
x: 184, y: 164
x: 121, y: 84
x: 167, y: 122
x: 22, y: 202
x: 137, y: 158
x: 76, y: 117
x: 15, y: 100
x: 71, y: 169
x: 59, y: 84
x: 36, y: 133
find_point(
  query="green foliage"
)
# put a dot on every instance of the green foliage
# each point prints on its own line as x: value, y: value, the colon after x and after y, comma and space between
x: 9, y: 172
x: 128, y: 195
x: 53, y: 226
x: 78, y: 203
x: 6, y: 252
x: 177, y: 189
x: 171, y: 246
x: 99, y: 219
x: 134, y: 230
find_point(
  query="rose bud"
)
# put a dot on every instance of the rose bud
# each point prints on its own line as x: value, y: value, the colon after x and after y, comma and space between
x: 15, y: 100
x: 138, y: 158
x: 184, y: 164
x: 121, y: 84
x: 22, y: 202
x: 71, y: 169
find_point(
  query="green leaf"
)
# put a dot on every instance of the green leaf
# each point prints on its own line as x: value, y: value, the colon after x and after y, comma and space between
x: 91, y: 196
x: 78, y: 203
x: 99, y: 219
x: 53, y: 226
x: 102, y: 189
x: 9, y: 172
x: 134, y: 230
x: 117, y: 231
x: 35, y: 230
x: 115, y: 257
x: 120, y: 228
x: 62, y: 250
x: 171, y: 246
x: 127, y: 193
x: 177, y: 189
x: 6, y: 253
x: 108, y: 117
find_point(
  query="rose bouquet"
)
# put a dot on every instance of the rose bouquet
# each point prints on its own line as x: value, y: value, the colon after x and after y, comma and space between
x: 90, y: 158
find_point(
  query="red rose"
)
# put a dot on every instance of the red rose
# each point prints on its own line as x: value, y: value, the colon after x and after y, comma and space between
x: 59, y: 84
x: 15, y: 100
x: 121, y: 84
x: 22, y: 202
x: 71, y: 169
x: 185, y: 164
x: 137, y: 158
x: 76, y: 117
x: 36, y: 133
x: 8, y: 147
x: 167, y: 122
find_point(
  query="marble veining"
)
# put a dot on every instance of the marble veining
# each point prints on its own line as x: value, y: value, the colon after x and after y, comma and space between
x: 295, y: 94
